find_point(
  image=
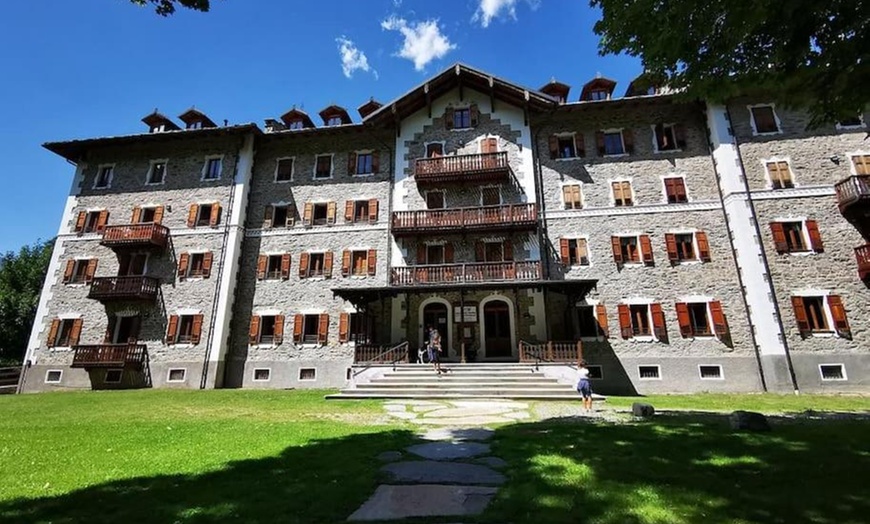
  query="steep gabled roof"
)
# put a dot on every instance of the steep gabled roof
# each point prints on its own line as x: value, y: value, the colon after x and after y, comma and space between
x: 333, y: 111
x: 556, y: 89
x: 369, y: 107
x: 155, y: 120
x: 192, y: 116
x: 595, y: 84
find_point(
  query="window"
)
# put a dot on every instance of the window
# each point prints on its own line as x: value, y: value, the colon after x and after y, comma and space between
x: 490, y: 196
x: 280, y: 215
x: 334, y: 121
x: 315, y: 265
x: 685, y: 247
x: 642, y: 321
x: 358, y: 326
x: 64, y: 332
x: 212, y: 169
x: 296, y: 124
x: 147, y: 215
x: 797, y: 237
x: 573, y: 251
x: 710, y: 372
x: 595, y: 372
x: 698, y: 321
x: 821, y: 315
x: 668, y: 137
x: 53, y: 376
x: 284, y: 170
x: 649, y: 372
x: 435, y: 200
x: 675, y: 190
x: 794, y: 236
x: 323, y: 166
x: 566, y: 147
x: 434, y: 149
x: 588, y: 322
x: 176, y: 375
x: 79, y: 271
x: 622, y: 193
x: 267, y: 330
x: 780, y: 175
x: 434, y: 254
x: 91, y: 221
x: 104, y: 177
x: 572, y: 196
x: 764, y: 119
x: 358, y: 211
x: 311, y: 328
x: 195, y: 265
x: 628, y: 250
x: 273, y: 267
x: 599, y: 94
x: 489, y: 145
x: 640, y: 324
x: 827, y: 372
x: 262, y: 374
x: 462, y: 118
x: 157, y: 173
x: 363, y: 164
x: 204, y: 217
x: 493, y: 252
x: 320, y: 214
x: 613, y: 144
x: 307, y: 374
x: 184, y: 329
x: 358, y: 263
x: 113, y: 376
x: 862, y: 164
x: 848, y: 123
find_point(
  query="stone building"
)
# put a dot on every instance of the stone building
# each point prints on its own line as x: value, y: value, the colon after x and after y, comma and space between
x: 681, y: 246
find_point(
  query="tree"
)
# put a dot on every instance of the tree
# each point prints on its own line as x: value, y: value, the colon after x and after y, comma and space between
x: 167, y: 7
x: 21, y: 279
x: 810, y: 54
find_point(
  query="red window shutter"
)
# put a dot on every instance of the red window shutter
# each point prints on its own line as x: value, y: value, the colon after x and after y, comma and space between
x: 838, y: 313
x: 348, y: 210
x: 327, y: 264
x: 372, y: 262
x: 475, y: 115
x: 671, y: 244
x: 703, y: 246
x: 183, y: 261
x: 303, y: 265
x: 343, y: 322
x: 479, y: 251
x: 376, y: 162
x: 307, y: 213
x: 158, y: 215
x: 254, y: 330
x: 52, y: 333
x: 102, y: 220
x: 601, y: 315
x: 800, y: 315
x: 215, y: 214
x: 206, y: 264
x: 628, y: 140
x: 330, y: 212
x: 624, y: 320
x: 720, y: 326
x: 298, y: 323
x: 68, y: 271
x: 196, y: 329
x: 579, y: 144
x: 554, y: 146
x: 137, y: 214
x: 448, y: 118
x: 779, y: 241
x: 421, y: 253
x: 279, y: 330
x: 76, y: 332
x: 599, y: 143
x: 507, y: 251
x: 617, y: 249
x: 91, y: 271
x: 448, y: 253
x: 323, y: 328
x: 351, y: 163
x: 373, y: 210
x: 262, y: 262
x: 815, y: 236
x: 684, y: 320
x: 285, y: 266
x: 659, y: 326
x: 268, y: 215
x: 646, y: 249
x: 564, y: 251
x: 191, y: 215
x: 80, y: 221
x: 680, y: 135
x: 345, y: 263
x: 172, y: 329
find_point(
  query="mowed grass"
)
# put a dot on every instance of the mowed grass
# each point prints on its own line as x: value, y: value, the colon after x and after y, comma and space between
x: 290, y: 456
x: 761, y: 402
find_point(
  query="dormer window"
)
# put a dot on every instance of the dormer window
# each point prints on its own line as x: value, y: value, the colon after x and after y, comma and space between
x: 334, y: 121
x: 158, y: 128
x: 195, y: 125
x: 461, y: 118
x: 296, y: 124
x: 599, y: 94
x: 104, y: 177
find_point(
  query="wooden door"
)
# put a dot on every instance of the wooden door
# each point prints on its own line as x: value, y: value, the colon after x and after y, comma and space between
x: 497, y: 329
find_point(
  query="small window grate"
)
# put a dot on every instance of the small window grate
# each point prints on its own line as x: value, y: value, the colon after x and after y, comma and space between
x: 176, y: 375
x: 648, y: 372
x: 113, y: 376
x: 832, y: 371
x: 262, y: 374
x: 711, y: 372
x: 308, y: 374
x: 53, y: 376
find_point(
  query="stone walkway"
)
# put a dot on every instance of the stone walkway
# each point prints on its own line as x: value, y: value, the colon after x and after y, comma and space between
x: 458, y: 413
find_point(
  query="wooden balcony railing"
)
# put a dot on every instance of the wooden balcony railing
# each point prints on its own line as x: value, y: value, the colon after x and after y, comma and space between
x: 852, y: 190
x: 466, y: 273
x: 862, y: 255
x: 471, y: 168
x: 124, y: 288
x: 136, y: 235
x: 485, y: 218
x: 381, y: 354
x: 571, y: 351
x: 109, y: 355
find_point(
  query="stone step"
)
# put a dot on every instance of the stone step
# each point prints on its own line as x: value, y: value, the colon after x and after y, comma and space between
x: 469, y: 374
x: 444, y: 383
x: 506, y: 392
x: 352, y: 394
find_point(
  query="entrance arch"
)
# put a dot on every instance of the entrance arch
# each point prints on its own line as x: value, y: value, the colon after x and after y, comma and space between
x: 436, y: 311
x: 497, y: 328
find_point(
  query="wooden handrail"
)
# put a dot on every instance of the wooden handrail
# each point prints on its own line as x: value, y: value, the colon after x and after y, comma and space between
x: 129, y: 234
x: 466, y: 217
x: 108, y: 355
x: 139, y: 286
x: 391, y: 355
x: 567, y: 352
x: 459, y: 164
x: 465, y: 273
x: 853, y: 188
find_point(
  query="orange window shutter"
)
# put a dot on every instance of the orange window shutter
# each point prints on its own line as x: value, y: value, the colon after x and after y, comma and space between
x: 566, y: 196
x: 599, y: 143
x: 579, y: 144
x: 448, y: 253
x: 671, y: 244
x: 102, y: 220
x: 373, y: 210
x: 191, y: 215
x: 646, y: 249
x: 196, y: 329
x: 254, y: 330
x: 779, y: 241
x: 554, y: 146
x: 345, y: 263
x: 215, y: 214
x: 307, y: 213
x: 158, y: 215
x: 343, y: 321
x: 330, y: 213
x: 327, y: 264
x: 617, y: 249
x: 285, y: 266
x: 279, y: 330
x: 564, y: 251
x: 838, y: 313
x: 475, y: 115
x: 684, y: 320
x: 80, y: 221
x: 303, y: 265
x: 75, y: 332
x: 172, y: 329
x: 323, y: 328
x: 268, y: 215
x: 298, y: 324
x: 52, y: 333
x: 703, y: 246
x: 448, y: 118
x: 628, y: 140
x: 421, y: 253
x: 376, y: 162
x: 262, y: 262
x: 659, y: 324
x: 137, y: 214
x: 720, y: 326
x: 91, y: 271
x: 373, y: 262
x: 624, y: 320
x: 68, y: 271
x: 351, y: 163
x: 183, y: 261
x: 207, y: 259
x: 680, y: 135
x: 601, y: 315
x: 800, y: 315
x: 815, y: 236
x: 348, y: 210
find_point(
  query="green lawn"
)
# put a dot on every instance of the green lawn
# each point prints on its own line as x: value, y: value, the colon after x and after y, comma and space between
x: 284, y: 456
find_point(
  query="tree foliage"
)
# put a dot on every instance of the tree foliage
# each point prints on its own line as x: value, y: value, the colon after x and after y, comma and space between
x: 21, y: 277
x: 167, y: 7
x: 811, y: 54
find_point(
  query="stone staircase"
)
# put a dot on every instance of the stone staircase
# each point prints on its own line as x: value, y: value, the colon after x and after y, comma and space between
x: 476, y: 380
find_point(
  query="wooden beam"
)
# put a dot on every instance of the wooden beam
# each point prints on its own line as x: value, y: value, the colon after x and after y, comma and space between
x: 491, y: 95
x: 428, y: 99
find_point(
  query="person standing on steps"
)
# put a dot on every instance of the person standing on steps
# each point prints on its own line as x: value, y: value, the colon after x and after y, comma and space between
x: 584, y: 387
x: 435, y: 349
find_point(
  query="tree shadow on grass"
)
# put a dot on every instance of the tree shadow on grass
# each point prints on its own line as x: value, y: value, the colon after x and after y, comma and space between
x: 683, y: 469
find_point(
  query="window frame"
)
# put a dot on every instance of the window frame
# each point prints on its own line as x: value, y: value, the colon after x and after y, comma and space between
x: 599, y: 331
x: 120, y: 376
x: 169, y: 379
x: 49, y: 372
x: 666, y: 199
x: 331, y: 166
x: 205, y: 166
x: 443, y: 193
x: 719, y: 366
x: 696, y: 250
x: 613, y: 193
x: 768, y: 178
x: 362, y: 154
x: 672, y: 126
x: 842, y: 368
x: 567, y: 136
x: 490, y: 187
x: 77, y: 268
x: 460, y: 111
x: 268, y: 375
x: 273, y: 273
x: 823, y: 295
x: 658, y: 368
x: 309, y: 272
x: 621, y: 132
x: 151, y: 164
x: 755, y: 131
x: 625, y: 262
x: 306, y: 339
x: 100, y: 169
x: 312, y: 379
x: 581, y: 203
x: 853, y: 166
x: 200, y: 215
x: 361, y: 253
x: 573, y: 252
x: 426, y: 145
x: 278, y: 160
x: 57, y: 338
x: 861, y: 125
x: 188, y: 272
x: 708, y: 316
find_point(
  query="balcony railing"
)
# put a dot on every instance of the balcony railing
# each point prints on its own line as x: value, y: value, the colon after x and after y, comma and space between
x: 862, y: 255
x: 107, y: 289
x: 466, y: 273
x: 136, y: 235
x: 473, y: 168
x: 109, y: 355
x: 486, y: 218
x: 571, y: 351
x: 852, y: 190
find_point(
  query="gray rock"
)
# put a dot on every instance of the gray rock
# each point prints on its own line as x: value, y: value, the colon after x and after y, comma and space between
x: 449, y: 450
x: 749, y: 421
x: 458, y: 434
x: 493, y: 462
x: 390, y: 456
x: 641, y: 409
x: 424, y: 500
x: 428, y: 471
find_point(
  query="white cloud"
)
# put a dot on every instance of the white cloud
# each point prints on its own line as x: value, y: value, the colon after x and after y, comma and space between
x: 423, y: 40
x: 352, y: 58
x: 489, y: 9
x: 397, y: 3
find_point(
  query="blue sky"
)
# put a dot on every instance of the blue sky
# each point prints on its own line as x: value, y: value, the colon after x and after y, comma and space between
x: 88, y: 68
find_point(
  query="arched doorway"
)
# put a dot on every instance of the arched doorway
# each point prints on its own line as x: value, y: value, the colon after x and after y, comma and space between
x: 497, y: 329
x: 435, y: 313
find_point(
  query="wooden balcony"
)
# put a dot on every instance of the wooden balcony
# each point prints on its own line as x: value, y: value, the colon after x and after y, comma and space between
x: 511, y: 217
x: 484, y: 167
x: 443, y: 274
x: 862, y: 255
x: 853, y: 197
x: 153, y: 236
x: 109, y: 356
x: 109, y: 289
x: 562, y: 352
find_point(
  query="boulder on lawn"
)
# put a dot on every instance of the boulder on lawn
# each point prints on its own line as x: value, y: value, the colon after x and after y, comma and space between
x: 749, y: 421
x: 643, y: 410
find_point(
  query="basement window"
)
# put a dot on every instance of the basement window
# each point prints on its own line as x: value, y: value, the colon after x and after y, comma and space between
x: 832, y: 371
x: 176, y: 375
x: 113, y: 376
x: 53, y: 376
x: 711, y: 372
x: 595, y: 372
x: 308, y: 374
x: 262, y: 374
x: 649, y: 372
